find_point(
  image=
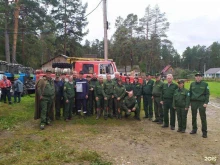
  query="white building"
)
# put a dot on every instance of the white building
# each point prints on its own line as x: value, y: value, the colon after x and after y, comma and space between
x: 212, y: 73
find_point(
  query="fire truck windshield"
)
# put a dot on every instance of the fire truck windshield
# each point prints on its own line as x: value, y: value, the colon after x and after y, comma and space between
x: 106, y: 68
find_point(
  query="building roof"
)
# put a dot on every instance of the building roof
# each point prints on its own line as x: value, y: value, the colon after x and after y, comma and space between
x: 166, y: 68
x: 56, y: 57
x: 212, y: 70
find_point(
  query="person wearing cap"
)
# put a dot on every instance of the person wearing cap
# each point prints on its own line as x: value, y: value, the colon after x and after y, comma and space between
x: 82, y: 91
x: 128, y: 85
x: 156, y: 96
x: 68, y: 94
x: 94, y: 80
x: 181, y: 101
x: 147, y: 88
x: 119, y: 93
x: 90, y: 96
x: 18, y: 90
x: 58, y: 84
x: 99, y: 96
x: 108, y: 89
x: 129, y: 105
x: 137, y: 90
x: 199, y: 99
x: 5, y: 85
x: 115, y: 80
x: 167, y: 100
x: 45, y: 93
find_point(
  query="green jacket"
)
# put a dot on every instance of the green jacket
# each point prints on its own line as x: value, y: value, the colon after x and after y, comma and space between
x: 98, y: 91
x: 167, y: 92
x: 129, y: 103
x: 137, y: 89
x: 199, y: 92
x: 128, y: 87
x: 69, y: 90
x: 147, y: 87
x: 157, y: 88
x: 181, y: 98
x: 108, y: 88
x: 119, y: 91
x: 48, y: 89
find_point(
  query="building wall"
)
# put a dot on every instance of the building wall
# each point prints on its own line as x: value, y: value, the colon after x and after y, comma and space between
x: 48, y: 65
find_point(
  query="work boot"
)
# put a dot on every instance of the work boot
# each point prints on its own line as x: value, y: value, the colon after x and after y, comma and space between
x: 204, y: 135
x: 193, y: 132
x: 160, y: 122
x: 164, y: 126
x: 150, y: 119
x: 179, y: 130
x: 98, y: 115
x: 42, y: 126
x: 156, y: 120
x: 183, y: 131
x: 172, y: 127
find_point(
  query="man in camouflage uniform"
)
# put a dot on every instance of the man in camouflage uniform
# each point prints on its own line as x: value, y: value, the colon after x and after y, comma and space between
x: 137, y: 90
x: 119, y: 93
x: 156, y: 96
x: 90, y: 96
x: 167, y: 100
x: 115, y: 80
x: 128, y: 85
x: 199, y: 97
x: 129, y: 105
x: 99, y: 96
x: 58, y: 96
x: 181, y: 101
x: 147, y: 88
x: 93, y: 82
x: 46, y: 94
x: 69, y: 94
x: 108, y: 97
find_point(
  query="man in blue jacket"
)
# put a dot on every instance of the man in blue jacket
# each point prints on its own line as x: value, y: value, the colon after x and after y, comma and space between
x: 18, y: 90
x: 82, y: 90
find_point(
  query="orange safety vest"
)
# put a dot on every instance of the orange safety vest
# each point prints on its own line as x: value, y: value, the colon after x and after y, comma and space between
x: 5, y: 83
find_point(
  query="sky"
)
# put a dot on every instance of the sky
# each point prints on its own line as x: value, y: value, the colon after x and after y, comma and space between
x: 192, y: 22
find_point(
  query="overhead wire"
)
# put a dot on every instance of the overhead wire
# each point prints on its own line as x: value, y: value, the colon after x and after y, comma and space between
x: 93, y: 9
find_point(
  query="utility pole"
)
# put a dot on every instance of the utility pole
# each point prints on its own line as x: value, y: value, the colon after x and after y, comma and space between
x: 7, y: 51
x: 105, y: 30
x: 16, y: 15
x: 64, y: 52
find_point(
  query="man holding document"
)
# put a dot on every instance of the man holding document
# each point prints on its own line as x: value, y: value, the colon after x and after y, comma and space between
x: 82, y: 91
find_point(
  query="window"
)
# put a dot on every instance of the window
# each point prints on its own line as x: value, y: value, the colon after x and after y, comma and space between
x: 106, y: 68
x: 88, y: 68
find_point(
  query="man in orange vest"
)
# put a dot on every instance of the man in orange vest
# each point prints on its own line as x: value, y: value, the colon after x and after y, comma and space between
x: 5, y: 85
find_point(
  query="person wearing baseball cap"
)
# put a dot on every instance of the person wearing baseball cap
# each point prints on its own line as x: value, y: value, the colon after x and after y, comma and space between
x: 181, y: 101
x: 199, y: 99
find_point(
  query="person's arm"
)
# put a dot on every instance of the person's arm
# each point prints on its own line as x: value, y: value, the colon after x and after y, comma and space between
x: 187, y: 100
x: 207, y: 93
x: 64, y: 92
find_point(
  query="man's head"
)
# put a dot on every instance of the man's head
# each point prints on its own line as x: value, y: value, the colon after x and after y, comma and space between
x: 136, y: 79
x: 100, y: 79
x: 108, y: 77
x: 94, y: 75
x: 130, y: 94
x: 81, y: 74
x: 148, y: 76
x: 63, y: 76
x: 198, y: 77
x: 127, y: 79
x: 48, y: 73
x: 117, y: 75
x: 57, y: 78
x: 74, y: 74
x: 169, y: 78
x: 119, y: 81
x: 157, y: 76
x: 70, y: 78
x: 180, y: 83
x: 88, y: 77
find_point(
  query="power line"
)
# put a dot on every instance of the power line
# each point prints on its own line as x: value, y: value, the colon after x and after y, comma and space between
x: 94, y: 9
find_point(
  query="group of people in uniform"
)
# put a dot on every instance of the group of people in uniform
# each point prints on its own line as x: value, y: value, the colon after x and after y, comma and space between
x: 110, y: 98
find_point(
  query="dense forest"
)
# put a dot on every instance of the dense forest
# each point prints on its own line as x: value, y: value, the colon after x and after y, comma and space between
x: 47, y: 28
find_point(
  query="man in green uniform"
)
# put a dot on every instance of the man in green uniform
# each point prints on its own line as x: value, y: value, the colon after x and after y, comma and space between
x: 115, y: 80
x: 119, y: 93
x: 99, y: 96
x: 147, y: 88
x: 89, y: 102
x: 181, y: 101
x: 129, y: 105
x: 68, y: 94
x: 93, y: 82
x: 46, y: 93
x: 167, y: 101
x: 199, y: 98
x: 156, y: 96
x: 108, y: 97
x: 137, y: 90
x: 128, y: 86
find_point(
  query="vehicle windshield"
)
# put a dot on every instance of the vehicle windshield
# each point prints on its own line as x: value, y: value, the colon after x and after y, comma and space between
x: 106, y: 68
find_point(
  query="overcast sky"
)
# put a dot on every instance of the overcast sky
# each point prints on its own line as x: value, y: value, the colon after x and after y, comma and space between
x: 192, y: 22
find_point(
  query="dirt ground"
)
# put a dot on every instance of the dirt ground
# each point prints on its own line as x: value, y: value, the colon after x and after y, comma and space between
x: 134, y: 142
